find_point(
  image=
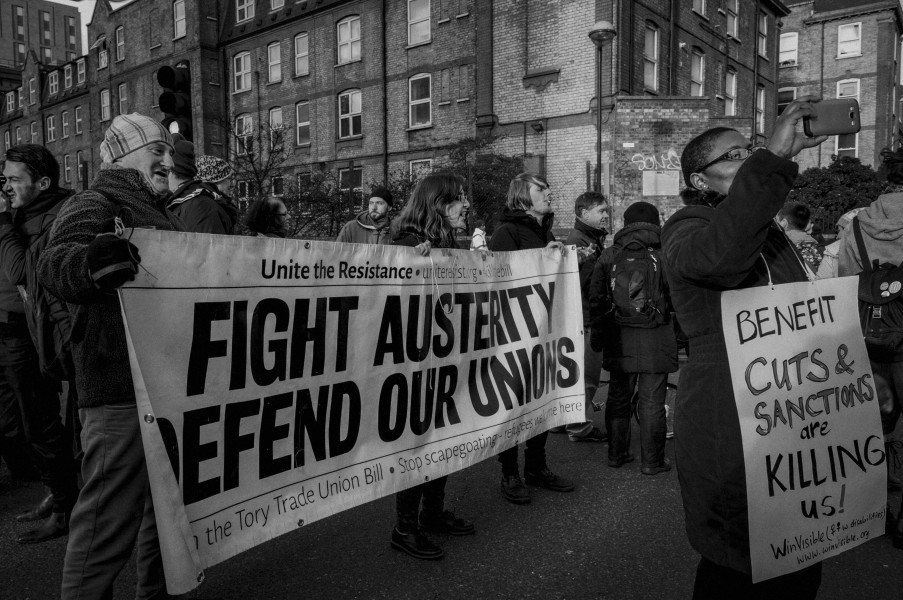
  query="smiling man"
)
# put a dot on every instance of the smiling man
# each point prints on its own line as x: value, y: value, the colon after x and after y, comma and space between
x: 84, y: 262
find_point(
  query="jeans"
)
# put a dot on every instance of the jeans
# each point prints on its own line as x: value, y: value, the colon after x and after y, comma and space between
x: 407, y: 503
x: 114, y: 510
x: 715, y: 582
x: 650, y: 389
x: 592, y: 371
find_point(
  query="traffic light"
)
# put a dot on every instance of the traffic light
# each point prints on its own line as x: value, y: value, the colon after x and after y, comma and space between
x: 175, y: 101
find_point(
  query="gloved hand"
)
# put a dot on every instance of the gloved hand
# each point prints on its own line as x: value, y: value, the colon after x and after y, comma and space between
x: 112, y: 261
x: 595, y: 340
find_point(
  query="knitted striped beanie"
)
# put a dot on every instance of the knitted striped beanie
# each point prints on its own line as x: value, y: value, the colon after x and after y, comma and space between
x: 128, y: 133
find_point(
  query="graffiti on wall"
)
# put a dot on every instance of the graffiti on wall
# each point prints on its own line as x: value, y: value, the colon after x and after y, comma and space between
x: 665, y: 161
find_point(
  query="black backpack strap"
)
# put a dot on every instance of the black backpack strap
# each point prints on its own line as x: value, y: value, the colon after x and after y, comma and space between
x: 863, y: 253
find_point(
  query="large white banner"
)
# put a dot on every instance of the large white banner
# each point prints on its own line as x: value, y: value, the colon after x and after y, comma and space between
x: 814, y: 452
x: 283, y: 381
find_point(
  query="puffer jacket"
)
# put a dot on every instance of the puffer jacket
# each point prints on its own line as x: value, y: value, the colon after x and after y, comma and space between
x: 102, y: 372
x: 364, y: 230
x: 707, y: 251
x: 521, y: 231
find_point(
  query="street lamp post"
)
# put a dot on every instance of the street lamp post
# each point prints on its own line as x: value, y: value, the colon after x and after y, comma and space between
x: 601, y: 35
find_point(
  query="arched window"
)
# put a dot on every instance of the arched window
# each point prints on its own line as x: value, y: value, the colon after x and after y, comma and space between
x: 348, y: 39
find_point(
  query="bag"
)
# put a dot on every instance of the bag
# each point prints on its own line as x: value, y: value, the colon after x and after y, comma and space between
x: 638, y: 288
x: 880, y: 304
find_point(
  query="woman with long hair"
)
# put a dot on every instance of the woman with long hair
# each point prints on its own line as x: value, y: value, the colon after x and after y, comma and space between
x: 266, y: 217
x: 437, y: 208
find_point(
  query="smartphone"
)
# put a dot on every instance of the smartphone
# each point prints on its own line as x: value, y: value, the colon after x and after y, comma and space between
x: 833, y: 117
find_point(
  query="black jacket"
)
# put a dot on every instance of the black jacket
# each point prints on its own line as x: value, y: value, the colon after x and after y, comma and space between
x: 521, y: 231
x: 584, y: 236
x: 203, y: 208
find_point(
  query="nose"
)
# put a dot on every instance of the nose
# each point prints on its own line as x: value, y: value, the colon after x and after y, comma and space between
x: 167, y: 160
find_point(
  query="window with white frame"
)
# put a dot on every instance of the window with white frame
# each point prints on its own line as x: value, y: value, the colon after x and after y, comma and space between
x: 760, y: 109
x: 785, y: 97
x: 53, y: 82
x: 244, y: 142
x: 123, y: 93
x: 275, y: 124
x: 103, y: 57
x: 302, y: 54
x: 849, y: 40
x: 277, y: 186
x: 67, y: 77
x: 699, y: 6
x: 178, y: 19
x: 350, y: 113
x: 20, y: 92
x: 104, y: 105
x: 789, y: 53
x: 348, y: 35
x: 120, y: 44
x: 34, y: 132
x: 78, y: 166
x: 730, y: 93
x: 10, y: 101
x: 51, y: 128
x: 67, y: 169
x: 420, y: 168
x: 80, y: 68
x: 18, y: 135
x: 276, y: 4
x: 846, y: 145
x: 244, y: 10
x: 7, y: 140
x: 697, y: 72
x: 763, y: 35
x: 31, y: 91
x: 418, y: 21
x: 420, y: 100
x: 64, y: 124
x: 274, y: 62
x: 732, y: 17
x: 77, y: 117
x: 650, y: 58
x: 241, y: 72
x: 302, y: 123
x: 351, y: 183
x: 848, y: 88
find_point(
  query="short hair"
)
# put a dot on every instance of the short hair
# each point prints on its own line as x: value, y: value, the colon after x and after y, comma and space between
x: 424, y: 213
x: 696, y: 153
x: 796, y: 213
x: 38, y: 161
x: 519, y: 191
x: 262, y: 216
x: 588, y: 201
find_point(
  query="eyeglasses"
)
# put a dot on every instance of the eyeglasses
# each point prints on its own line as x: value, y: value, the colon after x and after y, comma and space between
x: 733, y: 154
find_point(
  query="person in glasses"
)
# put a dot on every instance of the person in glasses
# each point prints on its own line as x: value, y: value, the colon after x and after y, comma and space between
x: 727, y: 239
x: 266, y: 217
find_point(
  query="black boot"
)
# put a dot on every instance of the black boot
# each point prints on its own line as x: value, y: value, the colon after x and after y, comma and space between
x: 56, y: 525
x: 38, y: 512
x: 619, y: 442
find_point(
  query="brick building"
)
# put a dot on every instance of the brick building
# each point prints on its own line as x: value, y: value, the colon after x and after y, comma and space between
x: 846, y: 48
x: 52, y: 31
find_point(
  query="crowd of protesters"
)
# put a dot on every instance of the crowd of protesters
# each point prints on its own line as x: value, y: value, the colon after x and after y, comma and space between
x: 63, y: 255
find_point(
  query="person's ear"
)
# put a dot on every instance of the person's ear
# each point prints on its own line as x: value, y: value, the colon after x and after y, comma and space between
x: 783, y: 223
x: 699, y: 181
x: 44, y: 183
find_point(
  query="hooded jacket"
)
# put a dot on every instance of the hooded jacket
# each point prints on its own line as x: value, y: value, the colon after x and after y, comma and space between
x: 592, y: 241
x: 102, y: 372
x: 364, y: 230
x: 521, y: 231
x: 203, y: 208
x: 707, y: 250
x: 882, y: 232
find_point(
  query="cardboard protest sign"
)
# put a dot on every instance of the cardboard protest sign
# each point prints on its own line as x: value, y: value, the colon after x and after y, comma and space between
x: 814, y: 452
x: 283, y: 381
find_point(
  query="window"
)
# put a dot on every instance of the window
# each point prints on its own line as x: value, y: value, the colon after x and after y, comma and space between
x: 20, y: 92
x: 730, y: 93
x: 19, y: 16
x: 302, y: 123
x: 53, y: 82
x: 849, y: 40
x: 241, y: 67
x: 848, y: 88
x: 64, y: 121
x: 275, y: 124
x: 120, y: 44
x: 732, y: 8
x: 20, y: 53
x: 699, y: 6
x: 34, y: 132
x: 351, y: 183
x: 104, y: 105
x: 46, y: 55
x: 348, y: 34
x: 302, y: 50
x: 420, y: 101
x: 67, y: 77
x: 18, y: 135
x: 78, y: 119
x: 760, y: 109
x: 420, y: 168
x: 650, y: 58
x: 763, y: 35
x: 7, y: 139
x: 276, y: 4
x: 418, y: 21
x: 123, y: 99
x: 78, y: 165
x: 178, y: 19
x: 102, y: 58
x: 277, y: 186
x: 80, y: 68
x: 274, y: 61
x: 785, y: 97
x: 788, y: 52
x: 845, y: 145
x: 10, y: 102
x: 67, y: 169
x: 70, y: 33
x: 244, y: 143
x: 31, y: 91
x: 245, y: 189
x: 46, y: 37
x: 697, y: 73
x: 244, y: 10
x: 51, y: 128
x: 350, y: 113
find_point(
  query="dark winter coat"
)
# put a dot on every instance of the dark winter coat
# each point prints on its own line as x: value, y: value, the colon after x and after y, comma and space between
x: 629, y: 349
x: 411, y: 238
x: 363, y: 230
x: 521, y: 231
x: 102, y: 372
x: 202, y: 208
x: 593, y: 240
x: 706, y: 251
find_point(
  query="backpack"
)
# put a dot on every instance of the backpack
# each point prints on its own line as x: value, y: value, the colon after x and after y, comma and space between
x: 638, y: 294
x: 880, y: 304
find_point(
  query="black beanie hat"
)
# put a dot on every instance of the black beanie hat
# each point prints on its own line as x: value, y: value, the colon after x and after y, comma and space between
x: 381, y: 192
x: 641, y: 212
x: 183, y: 159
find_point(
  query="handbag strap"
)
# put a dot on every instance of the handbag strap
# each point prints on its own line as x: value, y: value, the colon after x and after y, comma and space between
x: 863, y: 254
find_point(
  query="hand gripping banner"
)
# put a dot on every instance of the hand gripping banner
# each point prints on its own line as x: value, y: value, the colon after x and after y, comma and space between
x: 283, y: 381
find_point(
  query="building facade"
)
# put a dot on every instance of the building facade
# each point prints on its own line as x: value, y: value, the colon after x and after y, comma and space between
x: 52, y: 31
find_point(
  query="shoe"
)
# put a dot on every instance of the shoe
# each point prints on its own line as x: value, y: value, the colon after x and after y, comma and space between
x: 549, y: 480
x: 56, y: 525
x: 445, y: 522
x: 416, y: 544
x: 38, y: 512
x: 662, y: 468
x: 618, y: 462
x: 595, y: 435
x: 514, y: 490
